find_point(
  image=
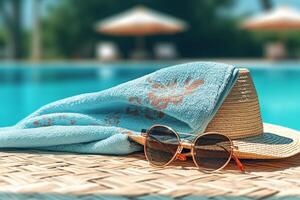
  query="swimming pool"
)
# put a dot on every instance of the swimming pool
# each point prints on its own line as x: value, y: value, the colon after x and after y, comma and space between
x: 25, y: 87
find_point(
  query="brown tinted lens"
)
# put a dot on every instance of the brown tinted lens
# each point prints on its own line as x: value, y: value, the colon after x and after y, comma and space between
x: 161, y: 145
x: 212, y: 151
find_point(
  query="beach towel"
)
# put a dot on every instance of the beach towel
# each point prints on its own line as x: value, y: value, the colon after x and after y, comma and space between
x: 185, y: 97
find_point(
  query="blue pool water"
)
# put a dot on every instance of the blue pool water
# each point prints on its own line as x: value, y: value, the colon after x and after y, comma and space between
x: 26, y: 87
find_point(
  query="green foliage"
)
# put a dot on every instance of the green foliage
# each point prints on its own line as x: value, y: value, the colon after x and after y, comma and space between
x: 290, y: 39
x: 2, y: 37
x: 69, y: 29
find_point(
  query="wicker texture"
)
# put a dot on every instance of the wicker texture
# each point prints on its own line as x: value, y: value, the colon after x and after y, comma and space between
x: 48, y: 175
x: 239, y: 116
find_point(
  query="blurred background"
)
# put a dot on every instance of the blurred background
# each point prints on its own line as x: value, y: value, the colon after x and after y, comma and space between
x: 66, y: 29
x: 51, y: 49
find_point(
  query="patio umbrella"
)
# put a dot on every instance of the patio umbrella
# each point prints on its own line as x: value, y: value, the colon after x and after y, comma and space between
x: 141, y: 21
x: 281, y: 18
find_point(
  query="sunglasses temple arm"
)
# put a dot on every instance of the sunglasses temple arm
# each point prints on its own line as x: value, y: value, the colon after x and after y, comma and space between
x: 238, y: 163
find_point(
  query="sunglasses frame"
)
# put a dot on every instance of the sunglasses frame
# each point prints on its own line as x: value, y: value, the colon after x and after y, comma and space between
x: 184, y: 144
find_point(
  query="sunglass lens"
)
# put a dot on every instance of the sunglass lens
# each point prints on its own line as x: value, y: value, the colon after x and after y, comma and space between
x: 212, y: 151
x: 161, y: 145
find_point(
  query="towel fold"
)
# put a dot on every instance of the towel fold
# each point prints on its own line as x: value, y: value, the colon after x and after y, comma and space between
x: 184, y: 97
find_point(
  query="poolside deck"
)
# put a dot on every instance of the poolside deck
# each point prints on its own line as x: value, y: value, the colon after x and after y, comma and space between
x: 48, y: 175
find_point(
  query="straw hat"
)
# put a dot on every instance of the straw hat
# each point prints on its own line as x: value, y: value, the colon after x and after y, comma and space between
x: 239, y: 118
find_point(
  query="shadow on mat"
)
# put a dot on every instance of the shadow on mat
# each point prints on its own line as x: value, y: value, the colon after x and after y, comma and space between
x: 258, y: 165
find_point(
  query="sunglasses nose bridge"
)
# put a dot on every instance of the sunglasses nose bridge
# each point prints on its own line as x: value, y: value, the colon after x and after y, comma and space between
x: 186, y: 144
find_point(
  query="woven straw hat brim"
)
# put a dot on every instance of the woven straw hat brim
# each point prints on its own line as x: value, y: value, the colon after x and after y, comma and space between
x: 275, y: 142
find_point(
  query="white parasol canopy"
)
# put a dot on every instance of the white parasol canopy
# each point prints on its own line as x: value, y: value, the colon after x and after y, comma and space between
x: 281, y: 18
x: 141, y: 21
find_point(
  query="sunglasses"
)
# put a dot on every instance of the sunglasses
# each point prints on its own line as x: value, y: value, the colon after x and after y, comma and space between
x: 210, y: 151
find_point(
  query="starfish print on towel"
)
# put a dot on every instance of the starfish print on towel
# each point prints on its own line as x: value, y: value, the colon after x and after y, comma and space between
x: 138, y: 110
x: 161, y: 95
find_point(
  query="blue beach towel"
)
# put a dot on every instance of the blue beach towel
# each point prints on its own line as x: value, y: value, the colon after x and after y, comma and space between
x: 184, y: 97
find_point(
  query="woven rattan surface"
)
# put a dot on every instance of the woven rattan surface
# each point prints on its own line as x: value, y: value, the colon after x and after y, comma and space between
x: 48, y: 175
